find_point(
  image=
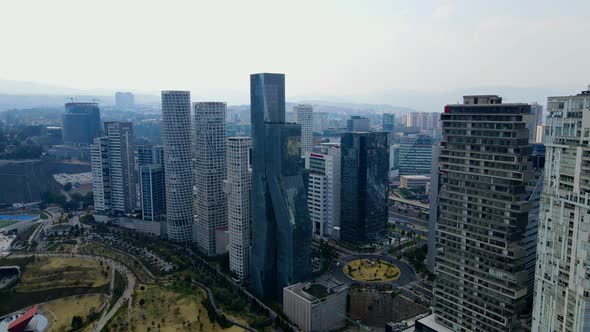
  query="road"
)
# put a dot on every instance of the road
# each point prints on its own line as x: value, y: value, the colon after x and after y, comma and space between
x: 219, y: 311
x: 115, y: 266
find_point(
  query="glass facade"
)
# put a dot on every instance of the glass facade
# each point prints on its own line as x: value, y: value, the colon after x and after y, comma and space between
x: 153, y: 195
x: 150, y: 159
x: 415, y: 154
x: 364, y: 186
x: 80, y: 123
x: 281, y: 225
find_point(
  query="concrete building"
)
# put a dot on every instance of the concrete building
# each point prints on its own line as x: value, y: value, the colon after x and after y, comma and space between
x: 364, y: 186
x: 414, y: 154
x: 176, y: 133
x: 422, y: 120
x: 304, y: 117
x: 320, y: 122
x: 113, y: 170
x: 357, y: 123
x: 281, y: 225
x: 562, y: 278
x: 315, y: 307
x: 414, y: 181
x: 238, y: 187
x: 487, y: 217
x: 323, y: 191
x: 124, y: 100
x: 210, y: 172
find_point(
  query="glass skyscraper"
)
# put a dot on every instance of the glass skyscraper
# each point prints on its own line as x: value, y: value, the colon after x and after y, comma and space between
x: 364, y: 186
x: 281, y: 225
x: 150, y: 159
x: 415, y: 154
x: 80, y: 123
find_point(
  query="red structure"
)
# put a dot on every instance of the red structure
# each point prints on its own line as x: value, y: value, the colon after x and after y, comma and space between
x: 20, y: 323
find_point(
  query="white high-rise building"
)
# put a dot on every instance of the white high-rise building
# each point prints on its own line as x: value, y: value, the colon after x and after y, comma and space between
x: 101, y: 181
x: 323, y: 194
x: 114, y: 186
x: 210, y: 171
x: 562, y: 275
x: 304, y: 117
x: 237, y: 187
x: 176, y: 133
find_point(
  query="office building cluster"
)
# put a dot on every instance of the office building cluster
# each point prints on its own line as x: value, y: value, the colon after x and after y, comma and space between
x: 508, y: 223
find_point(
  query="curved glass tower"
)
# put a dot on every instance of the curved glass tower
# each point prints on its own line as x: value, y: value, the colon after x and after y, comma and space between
x: 281, y: 226
x: 176, y: 132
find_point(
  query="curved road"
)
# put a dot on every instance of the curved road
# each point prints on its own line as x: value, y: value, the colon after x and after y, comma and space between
x: 115, y: 266
x: 219, y: 311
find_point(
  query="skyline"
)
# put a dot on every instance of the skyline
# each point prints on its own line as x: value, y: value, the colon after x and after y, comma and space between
x: 411, y: 49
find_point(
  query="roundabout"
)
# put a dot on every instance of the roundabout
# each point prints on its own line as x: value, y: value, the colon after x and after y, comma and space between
x: 373, y: 270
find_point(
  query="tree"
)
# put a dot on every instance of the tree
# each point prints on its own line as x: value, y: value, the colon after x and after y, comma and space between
x: 77, y: 323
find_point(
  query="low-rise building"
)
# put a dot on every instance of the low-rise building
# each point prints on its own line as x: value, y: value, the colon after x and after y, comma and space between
x: 413, y: 181
x: 315, y: 307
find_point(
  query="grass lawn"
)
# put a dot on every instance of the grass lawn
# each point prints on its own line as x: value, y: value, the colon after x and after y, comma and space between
x: 63, y: 310
x: 97, y: 249
x: 48, y: 278
x: 55, y: 272
x: 4, y: 223
x: 164, y: 309
x: 369, y: 270
x: 61, y: 247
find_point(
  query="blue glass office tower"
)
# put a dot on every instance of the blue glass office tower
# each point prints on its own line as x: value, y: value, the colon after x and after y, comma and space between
x: 364, y: 186
x: 150, y: 159
x: 80, y: 123
x: 281, y: 225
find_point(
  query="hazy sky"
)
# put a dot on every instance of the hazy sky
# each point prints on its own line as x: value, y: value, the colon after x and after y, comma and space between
x: 326, y: 48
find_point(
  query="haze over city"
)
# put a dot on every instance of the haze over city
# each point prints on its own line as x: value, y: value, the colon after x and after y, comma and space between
x: 294, y: 166
x: 416, y: 54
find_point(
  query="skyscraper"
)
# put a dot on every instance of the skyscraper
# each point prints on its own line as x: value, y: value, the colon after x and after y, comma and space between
x: 238, y: 187
x: 153, y: 192
x: 304, y: 117
x: 562, y: 278
x: 364, y: 186
x: 414, y: 155
x: 80, y: 123
x: 101, y: 179
x: 388, y: 123
x: 357, y: 123
x: 281, y: 226
x: 176, y: 133
x: 537, y: 111
x: 152, y: 181
x: 487, y: 217
x: 210, y: 172
x: 112, y: 163
x: 149, y: 154
x: 323, y: 189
